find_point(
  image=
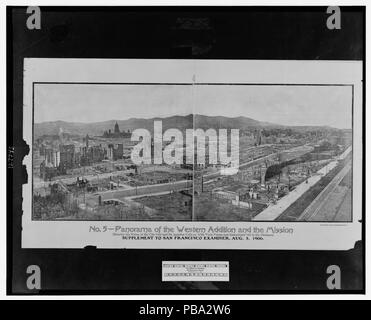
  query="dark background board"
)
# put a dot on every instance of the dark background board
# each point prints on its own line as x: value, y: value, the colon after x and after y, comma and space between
x: 287, y: 33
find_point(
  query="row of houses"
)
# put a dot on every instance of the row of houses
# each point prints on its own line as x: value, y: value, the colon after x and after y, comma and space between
x: 68, y: 156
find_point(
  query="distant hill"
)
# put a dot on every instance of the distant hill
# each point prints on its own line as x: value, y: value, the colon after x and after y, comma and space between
x: 179, y: 122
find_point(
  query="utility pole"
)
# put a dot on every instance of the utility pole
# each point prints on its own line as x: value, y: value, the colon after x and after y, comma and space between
x: 193, y: 213
x: 97, y: 179
x: 260, y: 172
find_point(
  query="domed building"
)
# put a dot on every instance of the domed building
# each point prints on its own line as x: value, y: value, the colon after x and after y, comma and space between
x: 116, y: 133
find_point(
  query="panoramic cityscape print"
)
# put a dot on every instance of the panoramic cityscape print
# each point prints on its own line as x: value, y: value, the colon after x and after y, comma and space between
x: 192, y: 152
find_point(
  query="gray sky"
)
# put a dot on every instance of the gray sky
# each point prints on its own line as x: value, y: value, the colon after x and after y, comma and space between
x: 287, y: 105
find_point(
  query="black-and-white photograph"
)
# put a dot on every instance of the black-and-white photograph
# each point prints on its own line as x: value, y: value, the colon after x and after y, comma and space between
x: 189, y: 149
x: 292, y: 146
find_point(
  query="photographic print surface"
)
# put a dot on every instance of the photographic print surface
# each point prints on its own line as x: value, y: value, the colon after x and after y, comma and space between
x: 192, y: 154
x: 294, y: 150
x: 142, y: 128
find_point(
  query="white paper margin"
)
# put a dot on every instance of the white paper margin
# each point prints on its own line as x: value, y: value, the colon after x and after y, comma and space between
x: 307, y: 235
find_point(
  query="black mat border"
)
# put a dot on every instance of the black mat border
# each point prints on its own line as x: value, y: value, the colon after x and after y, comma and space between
x: 17, y: 258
